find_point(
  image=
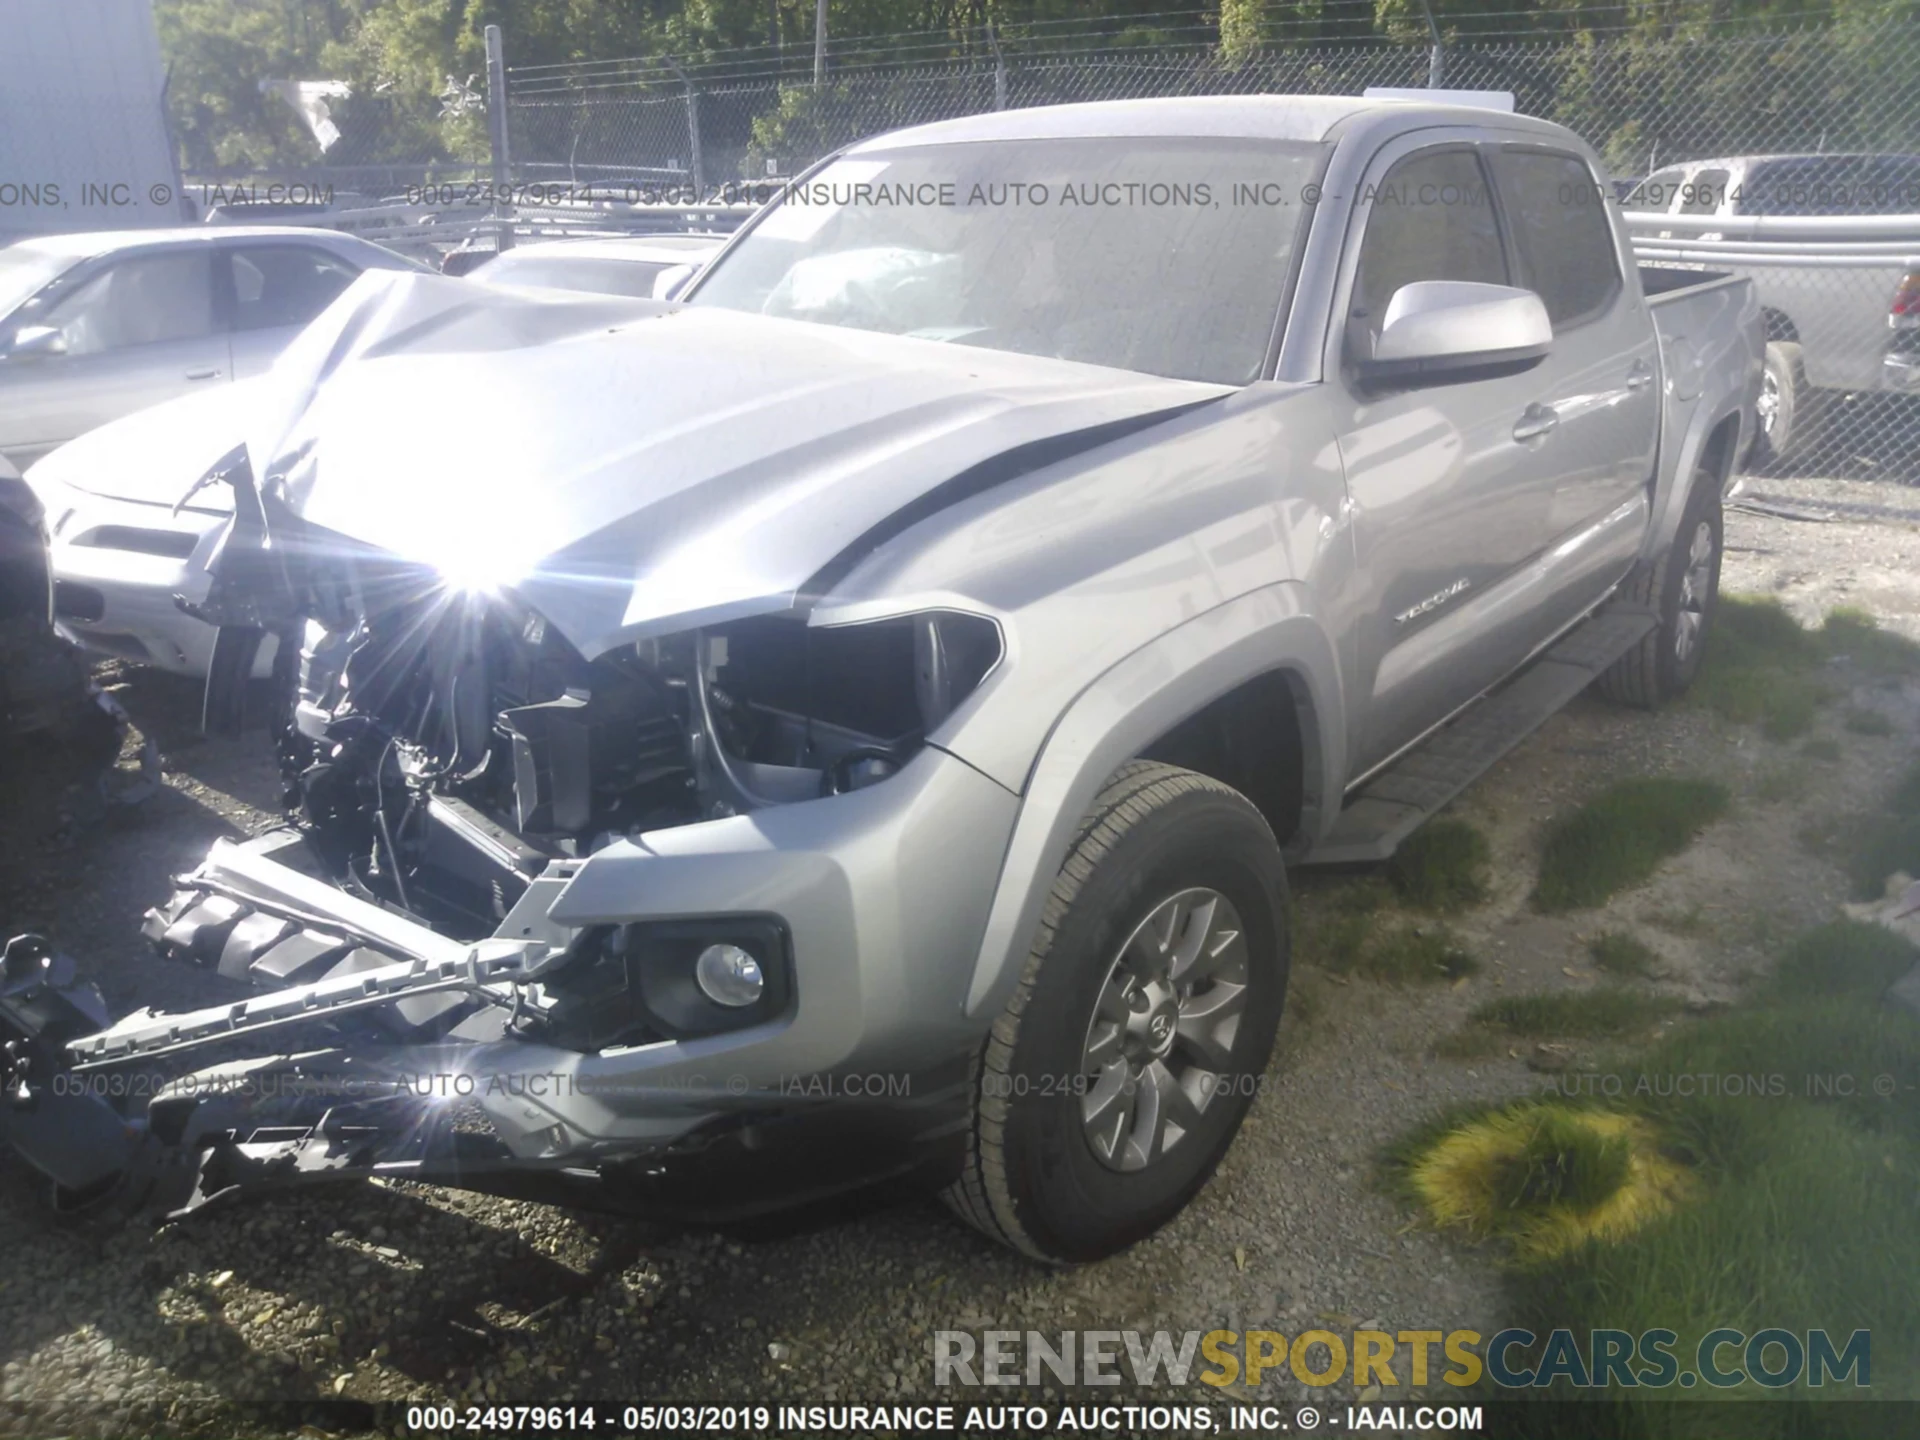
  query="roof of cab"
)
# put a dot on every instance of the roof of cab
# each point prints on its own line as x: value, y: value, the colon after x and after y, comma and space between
x: 1300, y: 118
x: 86, y: 244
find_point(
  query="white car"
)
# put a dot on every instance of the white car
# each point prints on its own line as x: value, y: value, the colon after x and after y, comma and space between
x: 616, y: 266
x: 1834, y: 325
x: 119, y: 548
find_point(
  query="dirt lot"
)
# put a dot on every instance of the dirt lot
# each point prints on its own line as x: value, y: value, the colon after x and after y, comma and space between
x: 388, y: 1292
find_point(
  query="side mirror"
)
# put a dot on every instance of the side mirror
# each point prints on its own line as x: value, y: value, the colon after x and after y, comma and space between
x: 668, y: 284
x: 1456, y: 330
x: 37, y: 342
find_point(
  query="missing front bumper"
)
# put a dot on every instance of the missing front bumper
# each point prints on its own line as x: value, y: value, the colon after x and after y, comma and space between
x: 386, y: 1050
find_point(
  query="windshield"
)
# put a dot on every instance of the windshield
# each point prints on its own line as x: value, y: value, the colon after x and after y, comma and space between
x: 603, y: 276
x: 1166, y: 256
x: 23, y: 270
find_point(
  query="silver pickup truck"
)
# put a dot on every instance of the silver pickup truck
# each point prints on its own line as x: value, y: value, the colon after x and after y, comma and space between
x: 855, y: 720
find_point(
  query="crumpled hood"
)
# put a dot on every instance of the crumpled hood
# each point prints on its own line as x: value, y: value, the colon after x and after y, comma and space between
x: 630, y: 467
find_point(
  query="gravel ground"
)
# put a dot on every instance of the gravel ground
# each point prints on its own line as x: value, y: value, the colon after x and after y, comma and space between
x: 390, y: 1291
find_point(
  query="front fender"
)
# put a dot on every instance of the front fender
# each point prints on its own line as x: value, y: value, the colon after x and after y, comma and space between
x: 1125, y: 710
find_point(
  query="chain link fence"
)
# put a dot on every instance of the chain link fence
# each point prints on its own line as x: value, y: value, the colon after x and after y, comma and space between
x: 1831, y: 239
x: 1829, y: 229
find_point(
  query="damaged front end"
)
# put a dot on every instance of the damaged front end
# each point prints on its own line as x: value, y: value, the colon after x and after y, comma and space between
x: 407, y: 999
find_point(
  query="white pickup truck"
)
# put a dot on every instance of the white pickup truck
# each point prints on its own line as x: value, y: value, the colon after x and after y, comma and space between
x: 857, y: 718
x: 1832, y: 245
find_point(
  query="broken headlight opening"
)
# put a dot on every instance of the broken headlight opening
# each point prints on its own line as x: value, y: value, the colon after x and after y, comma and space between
x: 441, y: 744
x: 441, y: 751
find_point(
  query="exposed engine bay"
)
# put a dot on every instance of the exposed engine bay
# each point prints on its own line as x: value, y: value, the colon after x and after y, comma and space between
x: 442, y: 746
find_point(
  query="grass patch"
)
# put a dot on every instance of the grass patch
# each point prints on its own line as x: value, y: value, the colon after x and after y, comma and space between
x: 1604, y: 1013
x: 1403, y: 954
x: 1758, y: 668
x: 1619, y: 838
x: 1308, y: 1003
x: 1347, y: 935
x: 1752, y: 632
x: 1442, y: 867
x: 1335, y: 931
x: 1795, y: 1205
x: 1868, y: 722
x: 1887, y: 843
x: 1846, y: 957
x: 1472, y: 1042
x: 1548, y: 1178
x: 1824, y: 748
x: 1622, y: 955
x: 1692, y: 921
x: 1761, y: 666
x: 1783, y: 782
x: 1905, y: 799
x: 1783, y: 704
x: 1854, y: 633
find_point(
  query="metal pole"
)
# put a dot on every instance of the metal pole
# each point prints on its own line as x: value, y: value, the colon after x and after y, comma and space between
x: 819, y: 41
x: 1437, y: 56
x: 999, y: 70
x: 693, y: 130
x: 497, y: 133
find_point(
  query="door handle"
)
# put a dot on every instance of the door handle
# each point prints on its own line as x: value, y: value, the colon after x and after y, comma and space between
x: 213, y: 374
x: 1534, y: 422
x: 1640, y: 376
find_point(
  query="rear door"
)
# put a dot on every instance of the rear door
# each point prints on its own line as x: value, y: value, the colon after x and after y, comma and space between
x: 1599, y: 381
x: 273, y: 289
x: 137, y: 330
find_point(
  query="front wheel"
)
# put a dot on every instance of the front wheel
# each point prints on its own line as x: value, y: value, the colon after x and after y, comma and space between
x: 1683, y: 589
x: 1114, y: 1081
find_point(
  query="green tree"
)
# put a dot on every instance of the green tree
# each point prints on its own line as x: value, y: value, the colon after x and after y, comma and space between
x: 218, y: 52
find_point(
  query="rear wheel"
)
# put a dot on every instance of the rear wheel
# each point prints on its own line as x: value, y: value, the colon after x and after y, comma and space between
x: 1788, y: 407
x: 1683, y: 588
x: 1114, y: 1081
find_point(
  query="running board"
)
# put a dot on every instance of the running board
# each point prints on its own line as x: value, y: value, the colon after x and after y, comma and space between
x: 1389, y: 807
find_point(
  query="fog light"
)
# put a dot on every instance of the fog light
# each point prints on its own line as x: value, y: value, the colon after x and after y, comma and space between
x: 728, y: 975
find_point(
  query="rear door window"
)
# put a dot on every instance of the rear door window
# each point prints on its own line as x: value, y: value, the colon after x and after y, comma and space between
x: 276, y: 286
x: 1563, y: 240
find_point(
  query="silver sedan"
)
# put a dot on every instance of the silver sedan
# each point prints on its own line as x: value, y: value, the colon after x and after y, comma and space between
x: 96, y: 326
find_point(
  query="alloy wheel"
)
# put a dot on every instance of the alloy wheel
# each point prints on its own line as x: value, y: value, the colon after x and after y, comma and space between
x: 1160, y: 1041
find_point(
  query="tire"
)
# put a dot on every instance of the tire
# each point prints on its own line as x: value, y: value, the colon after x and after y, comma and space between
x: 1789, y: 407
x: 1157, y: 838
x: 1683, y: 588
